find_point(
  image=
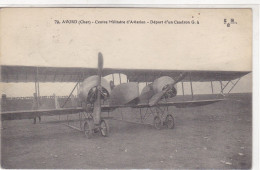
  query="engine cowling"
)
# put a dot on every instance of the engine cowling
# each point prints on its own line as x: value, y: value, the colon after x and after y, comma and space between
x: 88, y: 89
x: 157, y: 86
x: 163, y: 83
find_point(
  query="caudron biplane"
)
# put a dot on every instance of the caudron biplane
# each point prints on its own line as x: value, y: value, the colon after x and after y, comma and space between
x: 97, y: 95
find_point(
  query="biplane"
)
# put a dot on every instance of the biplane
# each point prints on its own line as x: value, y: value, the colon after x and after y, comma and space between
x: 97, y: 96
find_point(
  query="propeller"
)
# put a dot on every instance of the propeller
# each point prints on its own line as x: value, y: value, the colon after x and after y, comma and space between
x: 156, y: 98
x: 97, y: 104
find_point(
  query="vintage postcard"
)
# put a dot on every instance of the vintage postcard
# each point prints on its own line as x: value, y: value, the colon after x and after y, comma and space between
x: 134, y: 88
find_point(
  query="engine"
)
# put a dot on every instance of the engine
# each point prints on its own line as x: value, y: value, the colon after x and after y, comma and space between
x: 164, y: 83
x: 160, y: 84
x: 88, y: 89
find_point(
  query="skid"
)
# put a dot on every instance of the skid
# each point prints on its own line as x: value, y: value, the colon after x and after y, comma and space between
x: 145, y: 116
x: 132, y: 122
x: 78, y: 124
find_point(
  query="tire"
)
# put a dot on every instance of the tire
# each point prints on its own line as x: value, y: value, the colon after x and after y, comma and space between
x: 104, y: 128
x: 157, y: 122
x: 169, y: 121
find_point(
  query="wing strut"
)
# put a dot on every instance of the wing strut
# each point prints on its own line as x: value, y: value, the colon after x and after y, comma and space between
x: 182, y: 88
x: 120, y: 78
x: 70, y: 95
x: 234, y: 85
x: 212, y: 87
x: 191, y: 89
x: 37, y: 89
x: 113, y: 77
x: 225, y: 86
x: 222, y: 88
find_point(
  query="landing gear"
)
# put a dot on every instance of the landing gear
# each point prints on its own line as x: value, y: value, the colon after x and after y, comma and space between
x: 169, y: 121
x: 35, y: 119
x: 104, y: 128
x: 157, y: 122
x: 90, y: 128
x: 163, y: 114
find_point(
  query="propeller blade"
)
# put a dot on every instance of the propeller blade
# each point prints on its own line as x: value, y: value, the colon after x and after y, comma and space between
x: 100, y: 61
x: 156, y: 98
x: 180, y: 78
x: 97, y: 104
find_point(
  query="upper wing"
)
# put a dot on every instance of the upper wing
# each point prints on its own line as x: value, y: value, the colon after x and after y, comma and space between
x: 149, y: 75
x: 75, y: 74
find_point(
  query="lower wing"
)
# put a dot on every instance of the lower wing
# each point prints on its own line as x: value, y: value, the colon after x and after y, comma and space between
x: 29, y: 114
x: 183, y: 104
x: 178, y: 104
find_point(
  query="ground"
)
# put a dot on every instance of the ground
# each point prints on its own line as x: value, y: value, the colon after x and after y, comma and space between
x: 216, y: 136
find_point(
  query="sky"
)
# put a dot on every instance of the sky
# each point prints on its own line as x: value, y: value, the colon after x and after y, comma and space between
x: 35, y: 40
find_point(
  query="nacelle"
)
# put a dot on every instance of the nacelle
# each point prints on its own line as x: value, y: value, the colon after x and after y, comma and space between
x: 124, y: 94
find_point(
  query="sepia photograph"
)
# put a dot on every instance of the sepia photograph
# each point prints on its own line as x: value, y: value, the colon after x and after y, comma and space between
x: 126, y: 88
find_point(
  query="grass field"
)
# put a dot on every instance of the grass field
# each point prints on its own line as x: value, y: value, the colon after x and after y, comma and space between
x: 214, y: 136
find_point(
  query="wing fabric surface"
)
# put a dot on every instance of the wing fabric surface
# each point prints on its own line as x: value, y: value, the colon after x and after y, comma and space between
x: 178, y: 104
x: 183, y: 104
x: 75, y: 74
x: 28, y: 114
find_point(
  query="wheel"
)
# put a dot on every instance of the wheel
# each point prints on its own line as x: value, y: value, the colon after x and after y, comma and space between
x: 169, y: 121
x: 157, y: 122
x: 88, y: 128
x: 104, y: 128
